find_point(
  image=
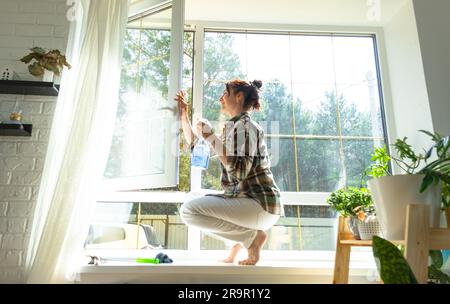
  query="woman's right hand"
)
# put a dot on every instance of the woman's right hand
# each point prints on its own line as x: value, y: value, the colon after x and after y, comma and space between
x: 182, y: 104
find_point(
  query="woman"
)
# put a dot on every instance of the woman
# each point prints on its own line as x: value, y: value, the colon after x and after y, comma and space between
x: 251, y: 200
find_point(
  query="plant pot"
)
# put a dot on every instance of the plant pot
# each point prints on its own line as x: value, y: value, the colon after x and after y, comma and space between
x: 391, y: 195
x: 48, y: 76
x: 352, y: 223
x: 369, y: 227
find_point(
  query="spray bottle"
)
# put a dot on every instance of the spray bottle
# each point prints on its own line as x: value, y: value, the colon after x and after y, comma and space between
x: 200, y: 155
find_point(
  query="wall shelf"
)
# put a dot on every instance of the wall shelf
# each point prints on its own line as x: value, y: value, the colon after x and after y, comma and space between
x: 15, y: 129
x: 21, y: 87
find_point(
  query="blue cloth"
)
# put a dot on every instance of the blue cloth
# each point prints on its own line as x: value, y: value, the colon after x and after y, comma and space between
x: 164, y: 258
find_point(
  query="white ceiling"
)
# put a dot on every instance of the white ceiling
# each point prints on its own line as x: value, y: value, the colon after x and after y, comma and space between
x: 305, y: 12
x: 317, y: 12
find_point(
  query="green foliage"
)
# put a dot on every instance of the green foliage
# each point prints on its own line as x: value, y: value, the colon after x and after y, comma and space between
x: 184, y: 182
x: 409, y: 161
x: 442, y: 146
x: 437, y: 259
x: 348, y: 202
x: 435, y: 171
x: 52, y: 61
x: 380, y: 163
x: 445, y: 195
x: 392, y: 266
x: 394, y: 269
x: 435, y: 274
x: 220, y: 64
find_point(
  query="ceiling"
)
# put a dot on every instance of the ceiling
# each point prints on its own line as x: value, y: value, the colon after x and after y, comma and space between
x: 316, y: 12
x: 305, y: 12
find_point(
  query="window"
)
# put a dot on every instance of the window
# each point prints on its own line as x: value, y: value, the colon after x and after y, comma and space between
x: 144, y: 150
x: 321, y: 112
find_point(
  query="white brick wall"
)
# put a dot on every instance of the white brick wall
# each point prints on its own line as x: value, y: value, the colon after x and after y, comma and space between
x: 23, y: 25
x: 28, y: 23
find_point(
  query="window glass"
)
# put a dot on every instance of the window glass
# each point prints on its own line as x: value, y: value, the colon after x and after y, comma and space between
x: 143, y: 226
x: 321, y: 113
x: 142, y: 148
x: 303, y: 228
x: 320, y: 98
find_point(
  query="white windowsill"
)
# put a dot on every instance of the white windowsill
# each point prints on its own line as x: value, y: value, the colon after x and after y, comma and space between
x: 203, y: 267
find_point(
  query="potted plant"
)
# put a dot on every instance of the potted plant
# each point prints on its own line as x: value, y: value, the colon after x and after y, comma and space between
x: 355, y: 204
x: 52, y: 61
x: 420, y: 185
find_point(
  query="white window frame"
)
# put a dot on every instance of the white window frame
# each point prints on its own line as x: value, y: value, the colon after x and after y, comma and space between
x: 289, y: 198
x: 169, y: 177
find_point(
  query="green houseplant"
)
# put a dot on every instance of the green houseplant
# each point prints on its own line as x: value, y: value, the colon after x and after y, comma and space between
x: 442, y: 146
x: 420, y: 184
x: 52, y: 61
x: 354, y: 204
x: 409, y: 161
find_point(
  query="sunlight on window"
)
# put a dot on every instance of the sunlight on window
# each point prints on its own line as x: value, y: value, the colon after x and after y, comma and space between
x: 323, y: 93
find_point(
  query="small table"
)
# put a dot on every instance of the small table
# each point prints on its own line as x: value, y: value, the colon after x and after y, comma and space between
x: 345, y: 241
x: 419, y: 239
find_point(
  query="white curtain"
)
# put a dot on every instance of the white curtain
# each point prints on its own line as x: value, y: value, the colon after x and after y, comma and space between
x: 79, y: 141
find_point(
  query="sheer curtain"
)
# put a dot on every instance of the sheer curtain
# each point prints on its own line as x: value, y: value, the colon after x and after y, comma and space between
x: 79, y: 141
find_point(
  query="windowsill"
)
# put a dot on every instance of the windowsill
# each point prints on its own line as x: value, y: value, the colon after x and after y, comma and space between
x: 289, y: 198
x: 203, y: 267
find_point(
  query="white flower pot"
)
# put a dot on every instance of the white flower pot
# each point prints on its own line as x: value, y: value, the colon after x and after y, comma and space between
x: 369, y: 227
x: 391, y: 195
x: 48, y: 76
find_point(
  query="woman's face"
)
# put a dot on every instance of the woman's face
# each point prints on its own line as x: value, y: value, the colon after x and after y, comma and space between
x: 229, y: 101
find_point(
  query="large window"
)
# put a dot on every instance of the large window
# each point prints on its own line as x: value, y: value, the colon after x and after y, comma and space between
x: 321, y: 112
x: 320, y: 103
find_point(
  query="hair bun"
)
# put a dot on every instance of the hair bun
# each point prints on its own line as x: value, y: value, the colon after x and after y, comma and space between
x: 257, y: 83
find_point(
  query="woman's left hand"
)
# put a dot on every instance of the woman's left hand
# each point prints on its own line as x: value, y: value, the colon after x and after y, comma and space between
x: 204, y: 128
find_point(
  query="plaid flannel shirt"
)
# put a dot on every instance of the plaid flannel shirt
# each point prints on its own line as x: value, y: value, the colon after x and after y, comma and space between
x: 247, y: 173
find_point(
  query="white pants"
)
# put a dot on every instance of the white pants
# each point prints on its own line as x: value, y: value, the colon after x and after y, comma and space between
x: 236, y: 219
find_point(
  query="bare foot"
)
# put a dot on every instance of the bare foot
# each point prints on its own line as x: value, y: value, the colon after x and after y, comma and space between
x: 234, y: 251
x: 255, y: 248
